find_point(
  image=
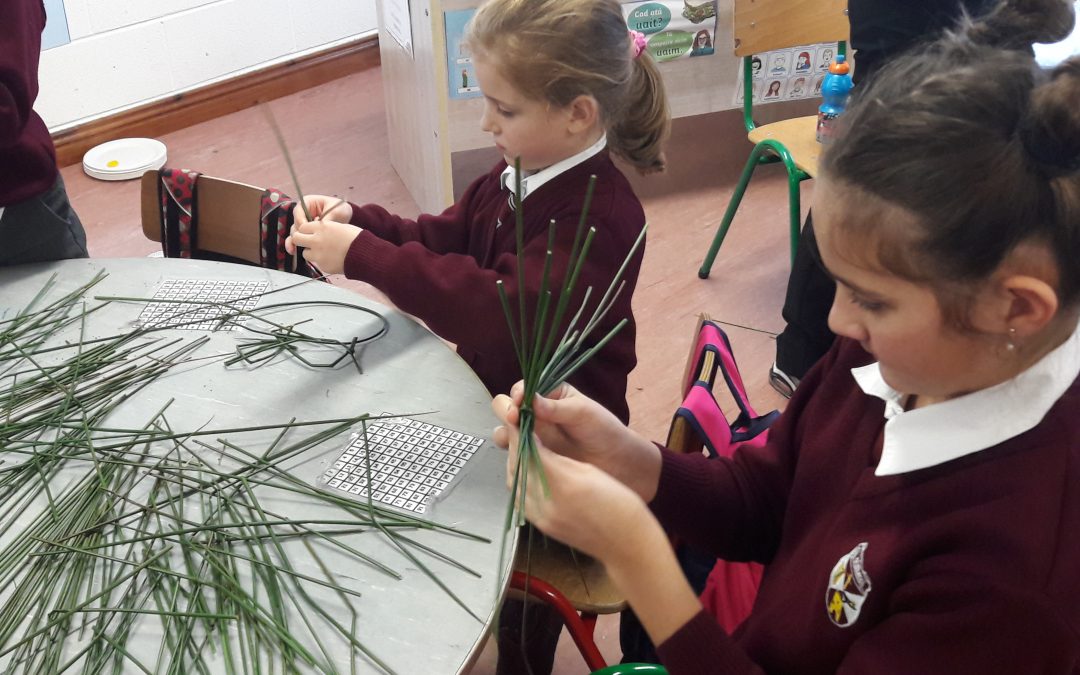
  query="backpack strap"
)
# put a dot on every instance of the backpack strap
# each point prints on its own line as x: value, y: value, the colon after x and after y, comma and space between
x: 179, y: 216
x: 702, y: 415
x: 275, y: 222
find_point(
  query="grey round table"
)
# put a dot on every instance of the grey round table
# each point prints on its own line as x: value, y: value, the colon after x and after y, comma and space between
x: 411, y: 625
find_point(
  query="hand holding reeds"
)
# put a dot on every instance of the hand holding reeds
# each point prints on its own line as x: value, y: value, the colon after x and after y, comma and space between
x: 547, y: 353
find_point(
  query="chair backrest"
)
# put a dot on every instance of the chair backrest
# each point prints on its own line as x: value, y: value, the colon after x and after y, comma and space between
x: 228, y: 215
x: 765, y: 25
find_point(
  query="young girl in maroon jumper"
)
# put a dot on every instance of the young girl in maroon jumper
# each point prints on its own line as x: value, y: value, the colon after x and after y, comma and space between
x: 917, y: 504
x: 565, y: 87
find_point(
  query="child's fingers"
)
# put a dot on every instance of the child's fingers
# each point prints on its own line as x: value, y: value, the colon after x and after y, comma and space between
x: 299, y: 217
x: 506, y: 409
x: 501, y: 437
x: 562, y: 391
x: 336, y: 207
x: 558, y: 410
x: 511, y: 460
x: 500, y: 405
x: 300, y: 238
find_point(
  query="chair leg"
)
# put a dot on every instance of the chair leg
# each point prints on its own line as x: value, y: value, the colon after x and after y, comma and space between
x: 580, y: 627
x: 733, y: 206
x: 795, y: 178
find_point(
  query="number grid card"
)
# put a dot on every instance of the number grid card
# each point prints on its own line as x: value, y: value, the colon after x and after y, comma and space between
x: 181, y: 308
x: 413, y: 463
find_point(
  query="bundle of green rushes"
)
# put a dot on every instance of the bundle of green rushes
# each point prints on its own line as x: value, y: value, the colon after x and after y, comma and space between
x: 101, y: 526
x: 546, y: 359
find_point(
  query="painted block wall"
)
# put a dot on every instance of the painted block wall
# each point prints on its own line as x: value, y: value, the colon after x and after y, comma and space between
x: 125, y: 53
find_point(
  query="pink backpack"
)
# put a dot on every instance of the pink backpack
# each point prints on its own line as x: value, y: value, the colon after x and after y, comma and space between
x: 699, y: 425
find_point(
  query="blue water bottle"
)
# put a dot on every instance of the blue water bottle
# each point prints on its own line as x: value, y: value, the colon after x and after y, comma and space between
x: 835, y: 90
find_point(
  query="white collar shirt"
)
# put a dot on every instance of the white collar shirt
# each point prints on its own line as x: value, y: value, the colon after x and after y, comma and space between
x: 925, y: 437
x: 531, y: 182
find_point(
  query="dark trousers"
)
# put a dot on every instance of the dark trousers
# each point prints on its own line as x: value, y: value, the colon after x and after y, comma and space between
x: 527, y: 638
x: 41, y: 228
x: 809, y: 297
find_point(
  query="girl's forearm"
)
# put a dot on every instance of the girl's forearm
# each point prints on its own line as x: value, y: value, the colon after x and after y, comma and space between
x: 637, y: 465
x: 654, y: 585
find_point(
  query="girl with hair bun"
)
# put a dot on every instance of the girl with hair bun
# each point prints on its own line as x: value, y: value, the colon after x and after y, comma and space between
x: 917, y: 504
x: 566, y: 87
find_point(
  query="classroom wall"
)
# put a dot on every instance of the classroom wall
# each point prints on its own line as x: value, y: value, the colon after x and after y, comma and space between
x: 124, y: 53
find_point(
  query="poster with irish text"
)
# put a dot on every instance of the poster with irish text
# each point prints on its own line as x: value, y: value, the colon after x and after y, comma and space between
x: 674, y: 29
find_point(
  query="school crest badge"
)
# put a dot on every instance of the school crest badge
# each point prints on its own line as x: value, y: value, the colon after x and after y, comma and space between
x: 849, y: 586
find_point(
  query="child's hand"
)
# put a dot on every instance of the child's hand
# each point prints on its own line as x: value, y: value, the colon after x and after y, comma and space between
x: 567, y: 421
x: 585, y: 508
x: 593, y: 512
x: 325, y: 243
x: 570, y: 423
x: 322, y: 207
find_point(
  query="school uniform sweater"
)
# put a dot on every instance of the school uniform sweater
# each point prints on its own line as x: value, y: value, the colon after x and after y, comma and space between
x: 443, y: 269
x: 27, y: 155
x: 968, y: 566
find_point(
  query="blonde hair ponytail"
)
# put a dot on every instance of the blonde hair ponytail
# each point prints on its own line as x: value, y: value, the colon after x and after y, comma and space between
x: 557, y: 50
x: 641, y: 131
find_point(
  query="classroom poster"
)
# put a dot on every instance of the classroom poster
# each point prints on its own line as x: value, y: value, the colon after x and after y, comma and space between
x: 56, y: 28
x: 674, y: 29
x: 461, y: 74
x: 398, y: 22
x: 787, y: 74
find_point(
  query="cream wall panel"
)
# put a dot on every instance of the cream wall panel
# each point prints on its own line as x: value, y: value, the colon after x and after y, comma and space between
x: 103, y: 72
x: 317, y: 22
x: 226, y: 37
x: 78, y: 16
x: 108, y: 15
x: 128, y: 52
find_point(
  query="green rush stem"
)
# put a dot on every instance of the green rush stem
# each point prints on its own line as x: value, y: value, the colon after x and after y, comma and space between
x: 519, y: 233
x: 103, y: 593
x: 508, y: 313
x: 285, y: 154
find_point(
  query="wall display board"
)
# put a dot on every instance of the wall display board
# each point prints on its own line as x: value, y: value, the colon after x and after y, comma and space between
x: 787, y: 74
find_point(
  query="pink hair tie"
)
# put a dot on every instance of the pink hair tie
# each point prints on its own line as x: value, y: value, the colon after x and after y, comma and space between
x: 637, y: 39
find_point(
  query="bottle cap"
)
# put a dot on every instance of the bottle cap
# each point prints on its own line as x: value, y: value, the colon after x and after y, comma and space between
x: 839, y: 66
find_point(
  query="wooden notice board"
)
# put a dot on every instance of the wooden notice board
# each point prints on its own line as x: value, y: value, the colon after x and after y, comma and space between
x: 427, y: 127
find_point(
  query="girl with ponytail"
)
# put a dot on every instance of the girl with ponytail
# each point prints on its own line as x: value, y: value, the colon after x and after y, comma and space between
x: 917, y: 504
x: 566, y: 87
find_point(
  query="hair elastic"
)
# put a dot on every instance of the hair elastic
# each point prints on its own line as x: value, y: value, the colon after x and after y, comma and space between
x: 637, y: 42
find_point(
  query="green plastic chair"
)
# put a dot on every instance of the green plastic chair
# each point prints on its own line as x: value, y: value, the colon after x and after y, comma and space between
x: 761, y: 27
x: 632, y: 669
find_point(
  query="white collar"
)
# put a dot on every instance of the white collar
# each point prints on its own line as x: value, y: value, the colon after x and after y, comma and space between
x: 1, y: 212
x: 925, y: 437
x: 531, y: 182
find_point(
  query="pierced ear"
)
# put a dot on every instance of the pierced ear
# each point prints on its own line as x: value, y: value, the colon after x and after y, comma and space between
x: 1032, y: 304
x: 584, y: 113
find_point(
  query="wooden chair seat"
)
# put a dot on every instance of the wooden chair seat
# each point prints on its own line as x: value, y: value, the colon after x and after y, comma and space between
x: 799, y: 136
x: 581, y: 579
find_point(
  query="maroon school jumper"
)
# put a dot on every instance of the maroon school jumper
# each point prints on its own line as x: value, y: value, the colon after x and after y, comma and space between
x: 971, y: 566
x: 27, y: 155
x: 442, y: 269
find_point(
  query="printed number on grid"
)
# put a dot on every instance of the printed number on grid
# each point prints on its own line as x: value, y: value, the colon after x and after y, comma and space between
x: 412, y: 463
x: 202, y: 304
